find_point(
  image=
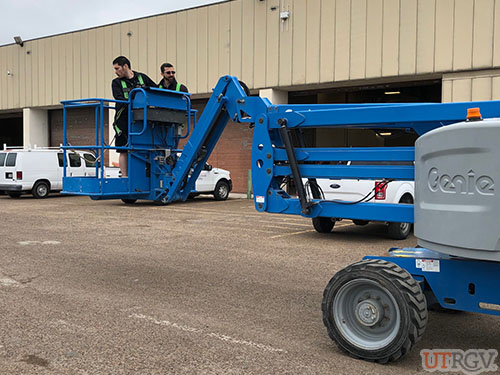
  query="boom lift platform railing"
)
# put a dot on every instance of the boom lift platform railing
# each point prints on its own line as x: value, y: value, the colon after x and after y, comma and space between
x: 374, y: 309
x: 155, y: 127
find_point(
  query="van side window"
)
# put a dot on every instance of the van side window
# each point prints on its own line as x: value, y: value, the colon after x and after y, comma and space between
x: 2, y: 159
x: 11, y: 159
x: 74, y: 160
x: 90, y: 160
x: 60, y: 159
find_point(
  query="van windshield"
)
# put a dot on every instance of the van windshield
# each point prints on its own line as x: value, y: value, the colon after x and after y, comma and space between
x: 2, y: 159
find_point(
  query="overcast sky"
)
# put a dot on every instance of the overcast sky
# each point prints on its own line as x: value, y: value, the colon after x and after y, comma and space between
x: 32, y: 19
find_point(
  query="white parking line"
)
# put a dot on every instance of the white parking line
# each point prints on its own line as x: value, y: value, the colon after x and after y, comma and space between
x: 300, y: 220
x: 225, y: 202
x: 28, y: 243
x: 215, y: 335
x: 7, y: 281
x: 306, y: 231
x: 292, y: 234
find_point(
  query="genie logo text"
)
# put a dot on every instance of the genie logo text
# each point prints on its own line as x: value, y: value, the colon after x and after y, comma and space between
x: 468, y: 183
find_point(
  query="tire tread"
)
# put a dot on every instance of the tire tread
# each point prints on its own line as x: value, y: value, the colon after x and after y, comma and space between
x: 414, y: 298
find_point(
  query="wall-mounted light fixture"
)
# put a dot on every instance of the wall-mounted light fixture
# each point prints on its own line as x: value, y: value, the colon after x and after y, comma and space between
x: 129, y: 33
x: 284, y: 15
x: 9, y: 73
x: 18, y: 40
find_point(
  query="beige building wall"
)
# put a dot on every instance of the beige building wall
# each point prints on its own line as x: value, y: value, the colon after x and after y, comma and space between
x: 471, y: 86
x: 323, y: 42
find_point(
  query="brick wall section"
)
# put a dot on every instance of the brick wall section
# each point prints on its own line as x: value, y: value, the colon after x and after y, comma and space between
x: 80, y: 130
x: 233, y: 151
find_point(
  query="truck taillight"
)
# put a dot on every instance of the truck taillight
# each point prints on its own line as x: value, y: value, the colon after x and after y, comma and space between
x: 19, y: 175
x: 380, y: 189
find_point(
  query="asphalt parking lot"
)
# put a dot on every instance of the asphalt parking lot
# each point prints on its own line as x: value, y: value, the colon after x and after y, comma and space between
x: 202, y: 287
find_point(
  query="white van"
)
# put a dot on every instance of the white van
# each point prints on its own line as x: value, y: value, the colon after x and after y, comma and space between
x: 39, y: 171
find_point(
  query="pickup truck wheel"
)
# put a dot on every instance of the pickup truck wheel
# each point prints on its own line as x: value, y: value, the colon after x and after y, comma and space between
x: 129, y: 201
x: 360, y: 222
x: 221, y: 191
x: 399, y: 231
x: 323, y: 224
x: 14, y: 194
x: 41, y: 190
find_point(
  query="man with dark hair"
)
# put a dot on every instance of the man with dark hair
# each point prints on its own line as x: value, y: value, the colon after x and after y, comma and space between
x: 169, y: 82
x: 126, y: 81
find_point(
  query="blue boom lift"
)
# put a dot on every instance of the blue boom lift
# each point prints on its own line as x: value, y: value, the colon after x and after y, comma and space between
x: 375, y: 309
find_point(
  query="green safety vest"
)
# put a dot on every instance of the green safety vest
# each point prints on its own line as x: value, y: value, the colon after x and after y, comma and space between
x: 126, y: 90
x: 177, y: 87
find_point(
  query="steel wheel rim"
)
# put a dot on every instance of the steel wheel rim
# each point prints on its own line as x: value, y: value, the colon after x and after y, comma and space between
x: 405, y: 227
x: 362, y: 297
x: 223, y: 191
x: 42, y: 190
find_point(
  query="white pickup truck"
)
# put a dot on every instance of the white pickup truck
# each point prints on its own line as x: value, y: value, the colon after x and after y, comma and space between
x: 216, y: 181
x: 355, y: 190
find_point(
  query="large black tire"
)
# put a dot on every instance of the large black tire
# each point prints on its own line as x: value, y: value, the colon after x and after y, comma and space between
x: 129, y: 201
x: 41, y: 190
x: 221, y: 192
x: 14, y: 194
x: 374, y: 310
x: 360, y: 222
x: 323, y: 224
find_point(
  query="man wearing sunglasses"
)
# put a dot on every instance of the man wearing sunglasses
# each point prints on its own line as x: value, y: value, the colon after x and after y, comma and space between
x: 168, y: 81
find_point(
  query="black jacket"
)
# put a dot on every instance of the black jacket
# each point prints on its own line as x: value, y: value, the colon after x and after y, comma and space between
x: 119, y: 94
x: 172, y: 86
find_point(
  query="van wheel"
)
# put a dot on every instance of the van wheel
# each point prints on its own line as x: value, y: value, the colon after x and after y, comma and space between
x: 221, y: 191
x: 41, y: 190
x: 14, y: 194
x: 323, y: 224
x: 129, y: 201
